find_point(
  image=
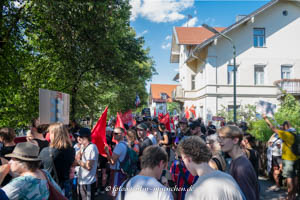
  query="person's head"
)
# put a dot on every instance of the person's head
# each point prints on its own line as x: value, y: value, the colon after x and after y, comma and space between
x: 162, y: 127
x: 195, y: 128
x: 209, y: 123
x: 248, y: 141
x: 193, y: 152
x: 59, y: 136
x: 212, y: 143
x: 229, y: 136
x: 131, y: 135
x: 42, y: 128
x: 7, y: 135
x: 141, y: 130
x: 24, y: 158
x: 85, y: 135
x: 154, y: 158
x: 119, y: 134
x: 286, y: 125
x: 183, y: 123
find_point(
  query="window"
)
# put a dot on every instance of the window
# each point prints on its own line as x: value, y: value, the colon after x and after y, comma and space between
x: 286, y: 72
x: 163, y: 96
x: 259, y: 37
x: 230, y: 74
x: 259, y: 75
x: 193, y: 79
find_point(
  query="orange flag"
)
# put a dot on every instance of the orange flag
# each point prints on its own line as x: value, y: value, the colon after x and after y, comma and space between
x: 99, y: 133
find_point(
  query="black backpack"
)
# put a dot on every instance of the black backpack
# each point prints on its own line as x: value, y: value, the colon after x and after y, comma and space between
x: 129, y: 165
x: 296, y: 145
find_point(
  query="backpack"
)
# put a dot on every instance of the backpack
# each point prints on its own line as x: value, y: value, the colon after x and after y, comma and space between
x: 129, y: 166
x: 296, y: 145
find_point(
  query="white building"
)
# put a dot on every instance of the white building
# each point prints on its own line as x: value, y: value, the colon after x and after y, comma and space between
x: 267, y: 57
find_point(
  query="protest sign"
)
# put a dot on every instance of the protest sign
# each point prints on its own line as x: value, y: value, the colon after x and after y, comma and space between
x: 53, y: 107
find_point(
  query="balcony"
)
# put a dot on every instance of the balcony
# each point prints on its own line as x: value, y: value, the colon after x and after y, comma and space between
x: 178, y: 94
x: 288, y: 86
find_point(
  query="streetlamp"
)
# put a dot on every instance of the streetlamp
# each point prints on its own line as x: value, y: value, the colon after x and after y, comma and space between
x: 234, y: 66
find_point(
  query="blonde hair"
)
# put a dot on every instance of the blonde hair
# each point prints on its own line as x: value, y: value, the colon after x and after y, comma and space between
x: 232, y: 132
x: 61, y: 139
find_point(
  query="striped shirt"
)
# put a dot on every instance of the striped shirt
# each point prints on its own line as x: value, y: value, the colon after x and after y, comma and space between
x: 178, y: 178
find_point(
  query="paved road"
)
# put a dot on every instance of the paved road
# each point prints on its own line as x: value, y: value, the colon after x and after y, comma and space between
x: 265, y: 193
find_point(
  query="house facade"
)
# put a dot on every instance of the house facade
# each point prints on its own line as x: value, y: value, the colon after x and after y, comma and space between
x: 267, y: 59
x: 160, y: 95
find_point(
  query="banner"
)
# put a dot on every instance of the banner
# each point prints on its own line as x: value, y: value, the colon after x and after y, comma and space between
x: 53, y: 107
x: 192, y: 110
x: 267, y: 108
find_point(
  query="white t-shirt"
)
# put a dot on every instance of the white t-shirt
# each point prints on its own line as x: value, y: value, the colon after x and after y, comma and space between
x: 145, y: 188
x: 215, y: 185
x: 85, y: 176
x: 276, y: 146
x: 120, y: 149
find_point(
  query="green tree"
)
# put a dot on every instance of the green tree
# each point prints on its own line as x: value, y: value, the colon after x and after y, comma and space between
x: 171, y: 106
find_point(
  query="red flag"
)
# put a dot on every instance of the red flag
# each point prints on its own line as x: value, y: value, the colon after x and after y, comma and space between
x: 127, y: 118
x: 192, y: 109
x: 173, y: 125
x: 187, y: 113
x: 119, y: 123
x: 154, y: 111
x: 99, y: 133
x: 166, y: 121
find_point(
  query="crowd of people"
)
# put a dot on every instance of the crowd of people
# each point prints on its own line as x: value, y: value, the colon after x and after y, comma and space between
x: 193, y: 161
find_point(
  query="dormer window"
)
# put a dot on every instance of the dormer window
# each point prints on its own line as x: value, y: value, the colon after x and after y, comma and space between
x: 163, y: 96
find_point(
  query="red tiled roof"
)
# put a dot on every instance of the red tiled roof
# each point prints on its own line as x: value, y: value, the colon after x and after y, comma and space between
x: 194, y: 35
x: 157, y: 89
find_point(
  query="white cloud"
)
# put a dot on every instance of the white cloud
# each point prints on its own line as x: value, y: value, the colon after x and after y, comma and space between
x: 168, y: 37
x: 166, y: 46
x: 190, y: 23
x: 142, y: 34
x: 159, y: 10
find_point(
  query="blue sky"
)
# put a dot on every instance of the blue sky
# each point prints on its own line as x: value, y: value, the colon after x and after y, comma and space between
x: 155, y: 19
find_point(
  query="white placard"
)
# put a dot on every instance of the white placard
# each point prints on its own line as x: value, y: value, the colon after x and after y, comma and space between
x: 54, y: 106
x: 267, y: 108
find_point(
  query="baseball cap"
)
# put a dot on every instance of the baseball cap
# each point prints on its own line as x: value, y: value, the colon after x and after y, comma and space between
x: 84, y: 132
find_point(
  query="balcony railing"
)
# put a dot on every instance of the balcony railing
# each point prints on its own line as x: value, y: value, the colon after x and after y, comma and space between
x: 289, y: 86
x: 177, y: 94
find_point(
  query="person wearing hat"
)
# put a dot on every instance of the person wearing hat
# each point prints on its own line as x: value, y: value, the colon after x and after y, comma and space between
x: 183, y: 130
x: 59, y: 157
x: 31, y: 181
x: 87, y: 159
x: 145, y: 140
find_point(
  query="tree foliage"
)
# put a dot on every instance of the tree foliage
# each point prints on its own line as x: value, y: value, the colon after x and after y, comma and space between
x: 84, y: 48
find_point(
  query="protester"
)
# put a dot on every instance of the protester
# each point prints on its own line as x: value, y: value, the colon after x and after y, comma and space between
x: 145, y: 185
x: 7, y: 136
x: 145, y: 140
x: 132, y: 140
x: 211, y: 129
x: 182, y: 178
x: 240, y: 168
x: 31, y: 182
x: 166, y: 139
x: 58, y: 158
x: 290, y: 161
x: 38, y: 136
x: 211, y: 184
x: 217, y: 161
x: 274, y: 160
x: 87, y: 160
x: 247, y: 145
x: 183, y: 130
x: 116, y: 175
